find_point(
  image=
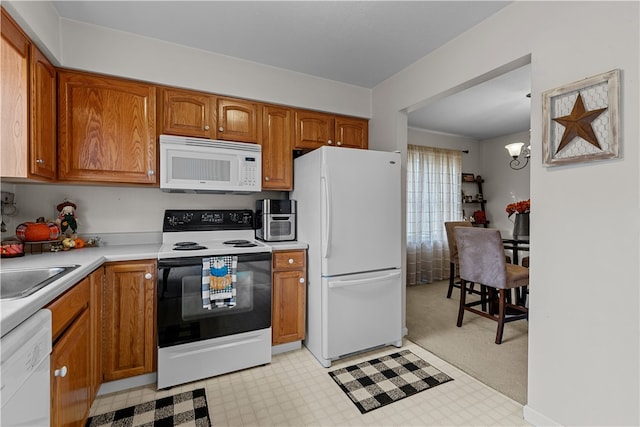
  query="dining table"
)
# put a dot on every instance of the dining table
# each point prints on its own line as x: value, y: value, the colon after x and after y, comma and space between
x: 516, y: 246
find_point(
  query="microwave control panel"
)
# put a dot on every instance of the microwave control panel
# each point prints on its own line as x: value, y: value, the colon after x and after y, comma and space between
x: 249, y: 174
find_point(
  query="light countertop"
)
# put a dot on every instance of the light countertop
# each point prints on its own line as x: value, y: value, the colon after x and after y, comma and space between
x: 14, y: 312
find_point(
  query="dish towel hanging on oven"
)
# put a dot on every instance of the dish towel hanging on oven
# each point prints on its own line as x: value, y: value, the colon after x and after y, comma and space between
x: 219, y: 281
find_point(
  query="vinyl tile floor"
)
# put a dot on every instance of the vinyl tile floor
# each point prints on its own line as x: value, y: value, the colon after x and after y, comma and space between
x: 295, y: 390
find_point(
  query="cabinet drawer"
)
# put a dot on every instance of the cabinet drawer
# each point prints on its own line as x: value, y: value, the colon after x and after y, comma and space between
x: 288, y: 260
x: 67, y: 307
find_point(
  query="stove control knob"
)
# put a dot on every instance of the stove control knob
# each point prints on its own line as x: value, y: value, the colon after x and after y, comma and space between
x: 148, y: 276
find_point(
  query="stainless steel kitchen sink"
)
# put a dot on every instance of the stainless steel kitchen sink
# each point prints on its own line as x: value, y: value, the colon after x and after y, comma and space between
x: 21, y: 282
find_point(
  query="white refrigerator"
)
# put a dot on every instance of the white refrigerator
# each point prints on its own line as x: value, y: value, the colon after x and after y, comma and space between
x: 349, y: 213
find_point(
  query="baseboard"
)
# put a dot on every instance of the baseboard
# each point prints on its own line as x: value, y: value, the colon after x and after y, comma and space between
x: 127, y: 383
x: 283, y: 348
x: 536, y: 418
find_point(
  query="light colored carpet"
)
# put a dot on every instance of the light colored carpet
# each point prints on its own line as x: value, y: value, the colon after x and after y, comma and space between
x: 431, y: 320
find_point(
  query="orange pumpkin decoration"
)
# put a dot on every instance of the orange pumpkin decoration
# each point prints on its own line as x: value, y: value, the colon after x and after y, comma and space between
x: 37, y: 231
x: 79, y: 243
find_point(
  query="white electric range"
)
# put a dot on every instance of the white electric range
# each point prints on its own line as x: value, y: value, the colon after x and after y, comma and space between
x: 213, y: 296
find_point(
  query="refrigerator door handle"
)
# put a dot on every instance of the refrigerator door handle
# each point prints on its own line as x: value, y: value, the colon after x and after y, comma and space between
x: 346, y: 283
x: 326, y: 242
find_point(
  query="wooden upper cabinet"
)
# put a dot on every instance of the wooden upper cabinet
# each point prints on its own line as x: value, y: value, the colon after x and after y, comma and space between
x: 351, y: 132
x: 313, y: 129
x: 15, y: 47
x: 42, y: 146
x: 277, y: 154
x: 106, y: 129
x: 239, y: 120
x: 187, y: 113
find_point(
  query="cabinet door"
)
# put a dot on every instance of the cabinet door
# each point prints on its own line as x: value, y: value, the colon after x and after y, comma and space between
x: 277, y: 152
x: 129, y: 320
x: 14, y: 86
x: 106, y: 129
x: 187, y: 113
x: 289, y: 298
x: 313, y: 130
x: 238, y: 120
x: 70, y: 365
x: 352, y: 132
x: 42, y: 147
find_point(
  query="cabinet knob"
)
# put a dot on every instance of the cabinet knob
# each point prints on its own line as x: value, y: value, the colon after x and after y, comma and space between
x: 148, y: 276
x: 151, y: 172
x: 40, y: 161
x: 338, y: 143
x: 266, y: 178
x: 62, y: 372
x: 302, y: 280
x: 290, y: 260
x: 206, y: 127
x: 221, y: 129
x: 329, y: 142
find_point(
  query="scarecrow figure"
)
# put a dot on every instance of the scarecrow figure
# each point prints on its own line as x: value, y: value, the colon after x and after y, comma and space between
x: 67, y: 218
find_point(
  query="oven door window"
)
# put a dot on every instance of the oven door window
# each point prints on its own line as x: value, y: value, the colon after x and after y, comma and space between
x: 180, y: 312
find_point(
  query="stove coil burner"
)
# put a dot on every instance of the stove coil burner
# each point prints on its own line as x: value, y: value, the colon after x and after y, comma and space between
x: 240, y: 243
x: 188, y: 246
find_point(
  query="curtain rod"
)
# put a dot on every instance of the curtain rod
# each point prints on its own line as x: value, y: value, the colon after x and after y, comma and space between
x: 465, y: 151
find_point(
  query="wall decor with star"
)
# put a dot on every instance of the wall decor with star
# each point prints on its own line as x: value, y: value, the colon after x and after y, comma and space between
x: 580, y: 120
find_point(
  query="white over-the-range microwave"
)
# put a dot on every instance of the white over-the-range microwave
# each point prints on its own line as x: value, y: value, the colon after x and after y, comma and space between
x: 198, y: 165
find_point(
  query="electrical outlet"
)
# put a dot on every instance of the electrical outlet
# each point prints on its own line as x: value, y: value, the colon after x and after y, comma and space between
x: 7, y: 198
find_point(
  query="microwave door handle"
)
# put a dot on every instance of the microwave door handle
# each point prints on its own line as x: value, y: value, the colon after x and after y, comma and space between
x: 327, y: 213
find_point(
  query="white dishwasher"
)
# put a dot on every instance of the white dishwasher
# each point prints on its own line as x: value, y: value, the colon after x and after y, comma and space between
x: 24, y: 373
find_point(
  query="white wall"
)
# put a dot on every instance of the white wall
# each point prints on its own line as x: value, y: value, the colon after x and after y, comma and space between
x: 103, y: 209
x: 503, y: 185
x: 583, y: 327
x: 87, y: 47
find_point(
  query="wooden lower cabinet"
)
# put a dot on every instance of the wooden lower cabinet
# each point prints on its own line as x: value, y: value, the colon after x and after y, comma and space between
x: 289, y: 296
x: 129, y: 319
x: 70, y: 363
x: 71, y: 395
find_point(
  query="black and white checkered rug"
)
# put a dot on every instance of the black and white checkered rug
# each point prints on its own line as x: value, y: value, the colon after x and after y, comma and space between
x: 184, y: 409
x: 387, y: 379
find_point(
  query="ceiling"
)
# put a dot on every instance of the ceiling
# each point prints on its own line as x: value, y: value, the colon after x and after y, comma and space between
x: 360, y: 43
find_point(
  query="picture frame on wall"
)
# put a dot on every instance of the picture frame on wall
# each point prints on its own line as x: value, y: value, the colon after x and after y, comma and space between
x: 581, y: 120
x: 468, y: 177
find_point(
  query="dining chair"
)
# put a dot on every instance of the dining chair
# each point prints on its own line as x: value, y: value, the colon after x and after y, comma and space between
x: 481, y: 260
x: 453, y: 252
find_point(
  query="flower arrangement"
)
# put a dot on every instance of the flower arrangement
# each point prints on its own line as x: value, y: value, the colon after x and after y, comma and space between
x: 523, y: 206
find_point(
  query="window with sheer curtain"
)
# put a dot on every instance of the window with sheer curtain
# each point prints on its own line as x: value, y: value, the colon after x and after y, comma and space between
x: 433, y: 197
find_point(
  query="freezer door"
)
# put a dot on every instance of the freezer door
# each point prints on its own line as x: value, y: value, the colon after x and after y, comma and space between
x: 361, y: 311
x: 361, y: 211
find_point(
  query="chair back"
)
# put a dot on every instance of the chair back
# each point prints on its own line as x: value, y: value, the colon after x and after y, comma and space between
x: 450, y: 229
x: 481, y: 256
